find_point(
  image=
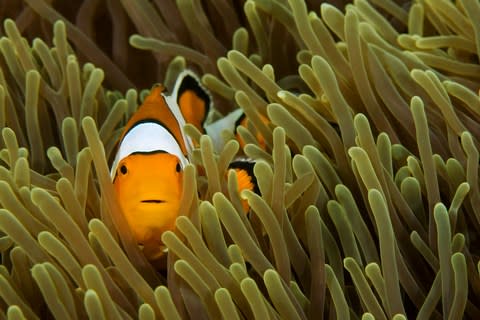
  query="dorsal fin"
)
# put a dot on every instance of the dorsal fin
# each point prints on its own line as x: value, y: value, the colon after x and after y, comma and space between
x: 193, y: 99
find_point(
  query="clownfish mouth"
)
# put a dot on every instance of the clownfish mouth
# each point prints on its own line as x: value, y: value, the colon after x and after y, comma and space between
x: 153, y: 201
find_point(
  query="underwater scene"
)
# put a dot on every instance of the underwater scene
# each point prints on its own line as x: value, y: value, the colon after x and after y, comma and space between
x: 312, y: 159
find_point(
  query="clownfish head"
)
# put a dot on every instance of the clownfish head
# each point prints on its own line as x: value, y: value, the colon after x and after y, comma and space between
x: 152, y: 152
x: 149, y: 189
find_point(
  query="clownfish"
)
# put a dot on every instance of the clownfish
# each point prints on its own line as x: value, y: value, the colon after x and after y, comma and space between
x: 147, y: 170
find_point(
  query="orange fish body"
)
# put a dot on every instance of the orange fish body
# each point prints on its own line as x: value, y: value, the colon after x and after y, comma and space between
x: 148, y: 168
x: 147, y: 171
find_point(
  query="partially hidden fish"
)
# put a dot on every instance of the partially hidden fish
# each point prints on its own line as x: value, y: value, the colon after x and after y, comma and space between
x: 230, y: 123
x: 147, y: 171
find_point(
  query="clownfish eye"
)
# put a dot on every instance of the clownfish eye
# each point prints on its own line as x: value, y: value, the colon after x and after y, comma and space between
x: 123, y: 169
x: 178, y: 167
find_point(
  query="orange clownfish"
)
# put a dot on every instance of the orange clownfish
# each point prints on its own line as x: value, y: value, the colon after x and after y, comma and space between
x: 147, y: 171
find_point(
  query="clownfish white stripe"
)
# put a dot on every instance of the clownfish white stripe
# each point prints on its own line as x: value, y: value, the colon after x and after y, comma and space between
x: 215, y: 129
x: 148, y: 137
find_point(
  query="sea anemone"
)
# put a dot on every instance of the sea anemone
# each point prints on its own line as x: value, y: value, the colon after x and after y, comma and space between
x: 369, y: 202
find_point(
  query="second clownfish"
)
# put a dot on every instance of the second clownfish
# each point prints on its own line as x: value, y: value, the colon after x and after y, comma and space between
x: 153, y: 150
